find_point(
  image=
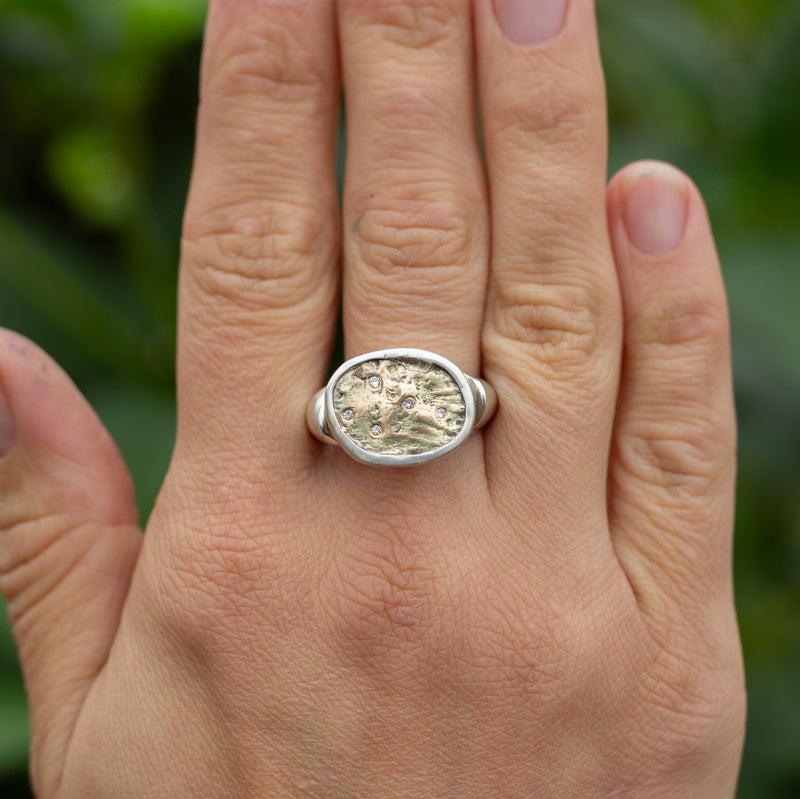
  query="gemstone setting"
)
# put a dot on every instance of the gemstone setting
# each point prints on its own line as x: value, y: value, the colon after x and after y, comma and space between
x: 399, y: 406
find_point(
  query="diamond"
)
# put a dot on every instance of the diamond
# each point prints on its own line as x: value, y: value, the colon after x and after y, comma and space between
x: 374, y: 382
x: 376, y: 430
x: 441, y: 413
x: 348, y: 414
x: 409, y: 403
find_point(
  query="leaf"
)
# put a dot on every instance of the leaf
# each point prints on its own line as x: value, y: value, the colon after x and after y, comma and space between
x: 93, y: 177
x: 142, y: 422
x: 14, y: 715
x: 41, y: 278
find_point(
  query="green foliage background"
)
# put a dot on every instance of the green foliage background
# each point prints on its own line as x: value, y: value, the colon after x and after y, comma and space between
x: 97, y: 101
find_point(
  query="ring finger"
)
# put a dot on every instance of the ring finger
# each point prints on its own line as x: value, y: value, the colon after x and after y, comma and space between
x: 553, y: 323
x: 414, y: 204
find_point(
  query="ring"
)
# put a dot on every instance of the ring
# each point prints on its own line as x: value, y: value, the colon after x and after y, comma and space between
x: 399, y: 407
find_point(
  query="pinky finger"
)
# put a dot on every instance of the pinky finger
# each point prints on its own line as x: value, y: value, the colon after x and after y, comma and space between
x: 673, y: 460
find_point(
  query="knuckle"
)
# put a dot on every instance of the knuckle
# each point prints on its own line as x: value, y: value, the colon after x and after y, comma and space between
x: 563, y: 326
x: 422, y: 243
x: 692, y: 711
x: 419, y: 25
x: 556, y: 114
x: 264, y: 56
x: 546, y: 646
x: 693, y: 323
x: 270, y: 255
x: 383, y: 593
x: 27, y: 539
x: 685, y: 460
x: 219, y: 583
x: 407, y: 120
x: 38, y: 552
x: 411, y: 107
x: 520, y: 644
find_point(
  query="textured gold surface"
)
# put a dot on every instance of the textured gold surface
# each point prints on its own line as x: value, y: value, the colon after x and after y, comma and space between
x: 376, y: 418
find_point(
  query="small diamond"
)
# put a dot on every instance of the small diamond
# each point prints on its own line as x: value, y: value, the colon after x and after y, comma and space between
x: 409, y: 403
x: 376, y: 430
x: 348, y: 414
x: 374, y: 382
x: 441, y: 413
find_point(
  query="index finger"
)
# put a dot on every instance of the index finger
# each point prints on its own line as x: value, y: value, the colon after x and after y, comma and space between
x: 258, y: 275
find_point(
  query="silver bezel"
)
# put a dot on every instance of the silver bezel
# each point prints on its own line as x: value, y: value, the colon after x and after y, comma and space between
x: 378, y: 459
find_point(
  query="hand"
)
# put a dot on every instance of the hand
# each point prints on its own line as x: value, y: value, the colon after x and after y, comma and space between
x: 547, y: 611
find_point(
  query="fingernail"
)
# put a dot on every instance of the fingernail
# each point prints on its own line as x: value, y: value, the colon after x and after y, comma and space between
x: 6, y: 426
x: 655, y: 209
x: 530, y: 21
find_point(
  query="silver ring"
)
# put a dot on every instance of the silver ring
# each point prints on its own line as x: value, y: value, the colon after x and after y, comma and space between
x: 399, y: 407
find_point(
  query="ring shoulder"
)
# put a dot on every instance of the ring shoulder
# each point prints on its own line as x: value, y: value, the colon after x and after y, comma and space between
x: 316, y: 418
x: 485, y: 400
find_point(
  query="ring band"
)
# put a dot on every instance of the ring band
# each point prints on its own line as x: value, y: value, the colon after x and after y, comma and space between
x: 399, y: 407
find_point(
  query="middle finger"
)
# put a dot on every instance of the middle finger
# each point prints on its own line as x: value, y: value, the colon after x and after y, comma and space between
x: 414, y: 206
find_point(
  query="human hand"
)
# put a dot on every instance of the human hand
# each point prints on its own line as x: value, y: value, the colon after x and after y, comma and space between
x: 545, y: 612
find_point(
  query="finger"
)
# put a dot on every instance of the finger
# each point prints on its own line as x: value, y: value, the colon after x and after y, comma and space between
x: 673, y: 465
x: 414, y: 206
x: 552, y: 334
x: 69, y: 539
x: 258, y: 283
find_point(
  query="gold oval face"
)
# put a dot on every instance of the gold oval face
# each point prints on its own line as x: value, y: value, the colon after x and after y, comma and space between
x: 399, y: 406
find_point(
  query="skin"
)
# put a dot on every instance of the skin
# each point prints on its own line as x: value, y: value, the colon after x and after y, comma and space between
x: 547, y: 611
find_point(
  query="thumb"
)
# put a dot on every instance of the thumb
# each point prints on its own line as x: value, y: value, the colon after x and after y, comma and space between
x: 69, y: 539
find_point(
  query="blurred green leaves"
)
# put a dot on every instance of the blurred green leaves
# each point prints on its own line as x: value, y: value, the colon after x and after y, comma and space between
x: 13, y: 711
x: 98, y: 102
x: 713, y: 86
x: 43, y: 278
x: 92, y: 177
